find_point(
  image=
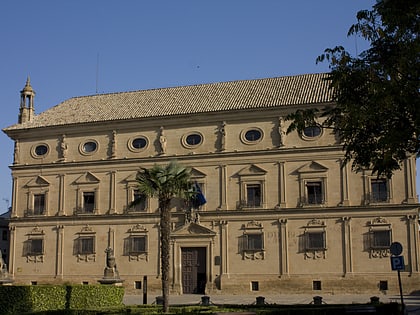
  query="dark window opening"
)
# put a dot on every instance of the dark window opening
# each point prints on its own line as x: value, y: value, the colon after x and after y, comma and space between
x: 314, y: 193
x: 86, y: 245
x: 383, y: 285
x: 255, y: 286
x: 254, y: 242
x: 312, y: 131
x: 379, y: 190
x: 88, y: 202
x: 193, y: 139
x: 138, y: 244
x: 41, y: 150
x: 316, y: 285
x: 315, y: 240
x: 89, y: 146
x: 253, y: 135
x: 137, y: 285
x: 381, y: 239
x: 139, y: 143
x: 36, y: 246
x: 253, y: 195
x: 39, y: 204
x: 140, y: 201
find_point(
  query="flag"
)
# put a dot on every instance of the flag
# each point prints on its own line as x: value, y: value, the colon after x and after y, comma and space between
x: 198, y: 198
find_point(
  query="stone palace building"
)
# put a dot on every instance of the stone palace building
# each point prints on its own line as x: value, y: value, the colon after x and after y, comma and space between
x: 283, y: 214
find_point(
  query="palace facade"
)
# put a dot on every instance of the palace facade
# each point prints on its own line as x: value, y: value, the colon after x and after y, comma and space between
x: 283, y: 214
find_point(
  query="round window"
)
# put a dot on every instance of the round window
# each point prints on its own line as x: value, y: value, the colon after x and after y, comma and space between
x: 41, y: 149
x: 139, y: 143
x: 193, y: 139
x: 312, y: 131
x: 253, y: 135
x: 89, y: 146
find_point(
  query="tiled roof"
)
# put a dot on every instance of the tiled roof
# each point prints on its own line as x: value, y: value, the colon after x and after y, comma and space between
x: 204, y: 98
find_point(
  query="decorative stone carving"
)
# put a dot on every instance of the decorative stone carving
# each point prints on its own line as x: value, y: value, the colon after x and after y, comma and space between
x: 111, y: 274
x: 162, y: 141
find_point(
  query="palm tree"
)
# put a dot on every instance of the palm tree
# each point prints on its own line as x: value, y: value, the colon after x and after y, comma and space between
x: 165, y: 183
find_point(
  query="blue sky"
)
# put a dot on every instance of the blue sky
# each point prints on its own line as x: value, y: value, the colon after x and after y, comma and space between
x: 79, y: 47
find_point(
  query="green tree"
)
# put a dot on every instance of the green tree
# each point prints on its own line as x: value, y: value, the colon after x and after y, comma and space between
x: 376, y: 94
x: 165, y: 183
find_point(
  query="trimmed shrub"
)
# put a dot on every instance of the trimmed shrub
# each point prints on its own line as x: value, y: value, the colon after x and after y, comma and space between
x: 94, y: 296
x: 20, y: 299
x: 39, y: 298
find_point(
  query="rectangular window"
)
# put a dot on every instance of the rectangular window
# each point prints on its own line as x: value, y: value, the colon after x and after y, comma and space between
x: 381, y: 239
x: 140, y: 201
x: 4, y: 235
x: 316, y: 285
x: 314, y: 193
x: 87, y: 245
x: 315, y: 240
x: 254, y: 242
x: 138, y: 244
x: 88, y: 202
x: 379, y: 190
x: 255, y: 286
x: 39, y: 204
x: 253, y: 195
x: 383, y: 285
x: 36, y: 246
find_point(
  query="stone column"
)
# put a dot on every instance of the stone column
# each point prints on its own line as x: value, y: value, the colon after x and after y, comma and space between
x: 412, y: 252
x: 112, y: 197
x: 61, y: 195
x: 410, y: 175
x: 14, y: 197
x: 347, y: 245
x: 224, y: 247
x: 59, y: 268
x: 223, y: 187
x: 344, y: 184
x: 176, y: 267
x: 12, y: 250
x: 282, y: 185
x: 283, y: 248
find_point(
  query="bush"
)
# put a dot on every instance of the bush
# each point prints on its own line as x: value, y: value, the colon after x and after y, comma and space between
x: 19, y: 299
x: 94, y: 296
x: 39, y: 298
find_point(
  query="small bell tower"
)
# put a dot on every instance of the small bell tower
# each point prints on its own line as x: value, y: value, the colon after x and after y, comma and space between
x: 27, y: 95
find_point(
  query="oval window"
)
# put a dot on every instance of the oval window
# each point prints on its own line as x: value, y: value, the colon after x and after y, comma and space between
x: 139, y: 143
x: 193, y: 139
x: 41, y: 149
x: 89, y: 146
x: 253, y: 135
x: 312, y: 131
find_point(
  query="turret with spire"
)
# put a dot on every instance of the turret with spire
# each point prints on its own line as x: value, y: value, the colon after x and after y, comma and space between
x: 26, y: 111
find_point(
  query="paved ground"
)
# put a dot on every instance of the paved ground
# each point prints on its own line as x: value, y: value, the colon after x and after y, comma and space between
x: 412, y: 301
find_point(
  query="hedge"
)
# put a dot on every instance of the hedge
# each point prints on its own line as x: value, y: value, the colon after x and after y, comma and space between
x: 37, y: 298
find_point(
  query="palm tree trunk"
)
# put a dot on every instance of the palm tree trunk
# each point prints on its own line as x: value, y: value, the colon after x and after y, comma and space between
x: 165, y: 235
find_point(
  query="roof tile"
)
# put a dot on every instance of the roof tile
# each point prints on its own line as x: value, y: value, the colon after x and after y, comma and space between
x: 213, y: 97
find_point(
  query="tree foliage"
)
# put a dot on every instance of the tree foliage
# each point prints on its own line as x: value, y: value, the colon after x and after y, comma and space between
x: 165, y: 183
x: 376, y: 114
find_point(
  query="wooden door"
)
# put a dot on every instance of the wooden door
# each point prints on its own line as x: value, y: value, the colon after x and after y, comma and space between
x: 193, y: 270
